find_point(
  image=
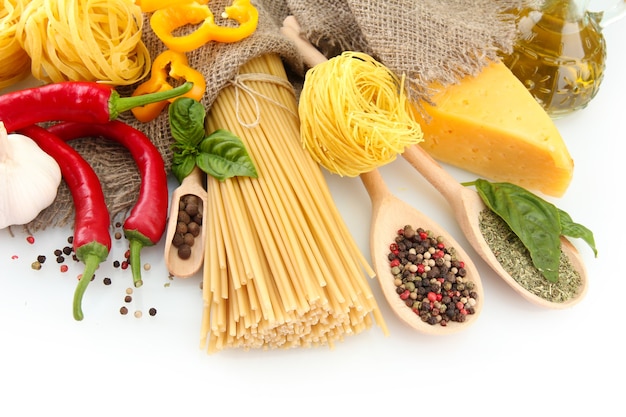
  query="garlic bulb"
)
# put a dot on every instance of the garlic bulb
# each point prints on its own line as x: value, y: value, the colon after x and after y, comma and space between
x: 29, y: 179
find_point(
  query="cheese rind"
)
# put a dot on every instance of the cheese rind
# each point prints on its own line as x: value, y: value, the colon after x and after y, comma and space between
x: 490, y: 125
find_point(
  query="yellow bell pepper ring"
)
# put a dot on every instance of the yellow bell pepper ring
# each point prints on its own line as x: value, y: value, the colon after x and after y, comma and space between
x: 166, y: 20
x: 167, y: 65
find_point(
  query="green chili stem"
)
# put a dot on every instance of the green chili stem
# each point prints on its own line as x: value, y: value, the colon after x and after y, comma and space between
x: 118, y: 105
x: 135, y: 261
x: 91, y: 262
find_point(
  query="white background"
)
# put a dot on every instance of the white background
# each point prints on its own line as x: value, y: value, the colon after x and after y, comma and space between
x: 517, y: 359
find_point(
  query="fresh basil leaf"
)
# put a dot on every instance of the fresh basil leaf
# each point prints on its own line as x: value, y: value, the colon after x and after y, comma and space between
x: 186, y: 117
x: 535, y: 221
x: 571, y: 229
x: 182, y: 165
x: 223, y: 155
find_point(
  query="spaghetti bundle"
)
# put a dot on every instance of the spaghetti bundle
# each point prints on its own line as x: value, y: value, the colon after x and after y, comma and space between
x: 14, y: 61
x: 86, y: 40
x: 281, y: 269
x: 366, y: 119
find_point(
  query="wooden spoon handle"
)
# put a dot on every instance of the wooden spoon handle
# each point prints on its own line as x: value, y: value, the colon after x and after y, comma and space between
x: 310, y: 55
x: 434, y: 173
x: 375, y: 186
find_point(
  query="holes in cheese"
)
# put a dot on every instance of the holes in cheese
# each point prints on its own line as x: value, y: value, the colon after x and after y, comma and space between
x: 490, y: 125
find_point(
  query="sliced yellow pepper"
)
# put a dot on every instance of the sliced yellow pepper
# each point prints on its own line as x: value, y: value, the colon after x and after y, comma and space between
x: 147, y: 6
x: 166, y: 20
x: 167, y: 65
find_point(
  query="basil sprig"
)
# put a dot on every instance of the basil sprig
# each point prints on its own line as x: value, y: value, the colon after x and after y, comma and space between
x: 538, y: 223
x: 220, y: 154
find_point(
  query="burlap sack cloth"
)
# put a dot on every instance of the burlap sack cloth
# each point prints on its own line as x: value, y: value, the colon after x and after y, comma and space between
x: 428, y: 40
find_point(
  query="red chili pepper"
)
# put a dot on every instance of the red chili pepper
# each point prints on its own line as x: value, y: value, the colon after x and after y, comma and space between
x: 148, y: 218
x: 92, y: 238
x: 77, y: 101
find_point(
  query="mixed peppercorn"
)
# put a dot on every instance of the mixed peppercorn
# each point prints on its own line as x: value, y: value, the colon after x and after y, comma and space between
x: 429, y: 278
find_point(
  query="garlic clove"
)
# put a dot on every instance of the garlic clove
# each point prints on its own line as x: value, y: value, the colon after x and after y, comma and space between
x: 29, y: 179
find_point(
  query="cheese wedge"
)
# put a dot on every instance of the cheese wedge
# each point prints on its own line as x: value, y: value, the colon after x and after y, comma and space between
x: 490, y: 125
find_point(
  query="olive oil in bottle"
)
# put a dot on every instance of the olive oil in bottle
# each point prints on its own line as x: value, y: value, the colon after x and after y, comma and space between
x: 559, y: 56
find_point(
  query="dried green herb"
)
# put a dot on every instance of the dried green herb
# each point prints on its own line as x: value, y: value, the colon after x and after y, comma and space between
x: 516, y: 261
x: 538, y: 223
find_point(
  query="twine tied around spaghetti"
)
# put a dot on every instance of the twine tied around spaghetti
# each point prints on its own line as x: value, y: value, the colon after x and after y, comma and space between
x: 240, y: 83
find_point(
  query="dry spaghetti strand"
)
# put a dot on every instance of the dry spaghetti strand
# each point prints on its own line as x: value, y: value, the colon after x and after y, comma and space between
x: 299, y: 258
x: 364, y: 120
x: 84, y: 40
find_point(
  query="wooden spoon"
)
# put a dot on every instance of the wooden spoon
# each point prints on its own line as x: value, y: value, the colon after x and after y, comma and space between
x: 467, y: 206
x: 390, y: 214
x: 183, y: 268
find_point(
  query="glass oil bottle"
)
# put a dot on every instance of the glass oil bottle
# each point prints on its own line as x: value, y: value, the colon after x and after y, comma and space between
x: 560, y: 53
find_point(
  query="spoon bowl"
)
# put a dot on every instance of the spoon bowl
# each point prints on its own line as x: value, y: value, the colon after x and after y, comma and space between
x: 467, y: 206
x: 193, y: 184
x: 389, y: 214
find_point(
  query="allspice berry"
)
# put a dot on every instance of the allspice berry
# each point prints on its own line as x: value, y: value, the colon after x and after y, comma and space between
x: 184, y: 251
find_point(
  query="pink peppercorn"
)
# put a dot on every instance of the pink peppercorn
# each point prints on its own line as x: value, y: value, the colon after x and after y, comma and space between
x: 432, y: 296
x: 395, y: 262
x: 405, y: 294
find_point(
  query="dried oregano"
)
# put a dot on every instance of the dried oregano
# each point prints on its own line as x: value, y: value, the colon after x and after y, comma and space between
x: 515, y: 259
